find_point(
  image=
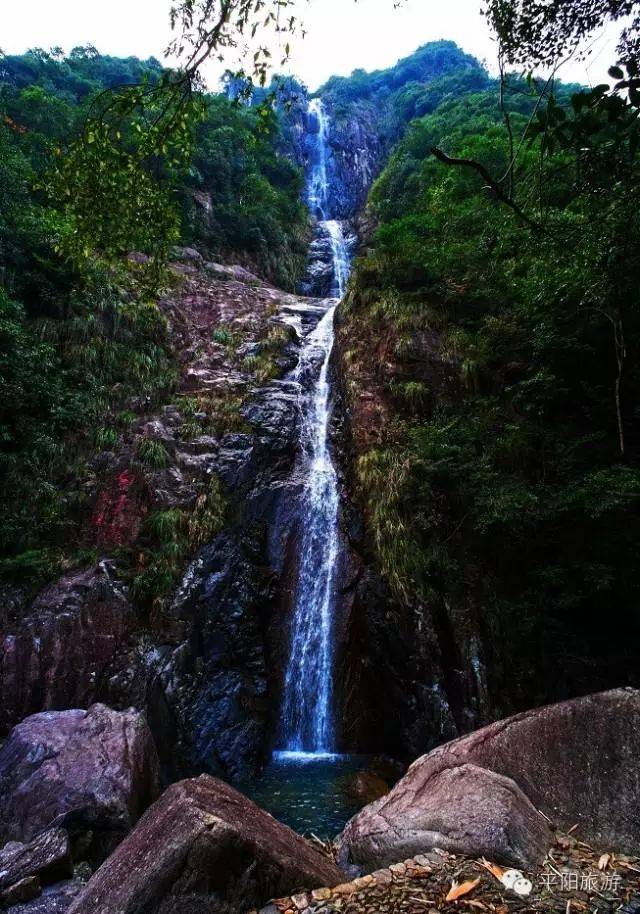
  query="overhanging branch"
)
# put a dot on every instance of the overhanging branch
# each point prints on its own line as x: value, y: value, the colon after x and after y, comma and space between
x: 495, y: 187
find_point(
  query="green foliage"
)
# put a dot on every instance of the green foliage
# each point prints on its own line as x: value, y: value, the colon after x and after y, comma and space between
x: 252, y: 194
x: 170, y: 537
x: 65, y: 381
x: 106, y: 438
x: 264, y: 362
x: 544, y: 31
x: 502, y: 479
x: 85, y: 177
x: 153, y: 453
x: 415, y: 86
x: 222, y: 336
x: 117, y: 182
x: 130, y: 168
x: 211, y: 414
x: 428, y: 63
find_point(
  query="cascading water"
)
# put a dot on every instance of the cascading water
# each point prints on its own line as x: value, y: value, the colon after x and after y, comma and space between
x: 303, y: 785
x: 308, y: 725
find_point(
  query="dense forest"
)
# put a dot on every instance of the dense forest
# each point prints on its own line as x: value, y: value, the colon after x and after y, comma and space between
x: 506, y: 475
x: 82, y: 336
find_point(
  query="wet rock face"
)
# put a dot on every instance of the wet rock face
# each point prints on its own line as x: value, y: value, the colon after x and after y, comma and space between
x: 206, y: 667
x: 91, y: 772
x: 216, y: 682
x: 366, y: 787
x: 220, y: 683
x: 358, y: 154
x: 55, y: 899
x: 203, y: 846
x: 58, y: 656
x: 319, y: 277
x: 465, y: 810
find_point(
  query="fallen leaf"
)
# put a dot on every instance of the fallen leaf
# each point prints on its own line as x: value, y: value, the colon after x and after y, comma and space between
x: 458, y: 890
x: 475, y: 904
x: 493, y: 868
x: 603, y: 862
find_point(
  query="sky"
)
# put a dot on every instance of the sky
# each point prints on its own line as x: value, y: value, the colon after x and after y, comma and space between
x: 341, y: 35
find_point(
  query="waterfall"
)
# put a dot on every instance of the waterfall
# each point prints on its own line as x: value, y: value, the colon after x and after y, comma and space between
x: 308, y: 724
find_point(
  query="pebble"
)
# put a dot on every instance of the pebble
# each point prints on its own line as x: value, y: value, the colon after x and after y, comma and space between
x: 382, y: 877
x: 346, y: 888
x: 391, y: 891
x: 363, y: 881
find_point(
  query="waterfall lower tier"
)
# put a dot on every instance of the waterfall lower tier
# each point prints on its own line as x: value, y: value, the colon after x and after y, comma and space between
x: 307, y: 710
x: 339, y: 257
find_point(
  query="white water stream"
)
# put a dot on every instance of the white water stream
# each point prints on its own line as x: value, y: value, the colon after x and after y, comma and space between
x: 308, y: 715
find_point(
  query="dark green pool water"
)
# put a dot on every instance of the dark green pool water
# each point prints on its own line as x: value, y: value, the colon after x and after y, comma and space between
x: 308, y: 792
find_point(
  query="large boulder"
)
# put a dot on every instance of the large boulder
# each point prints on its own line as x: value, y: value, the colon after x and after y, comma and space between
x: 57, y: 655
x: 204, y: 847
x: 92, y: 772
x: 576, y: 761
x: 465, y: 810
x: 47, y: 857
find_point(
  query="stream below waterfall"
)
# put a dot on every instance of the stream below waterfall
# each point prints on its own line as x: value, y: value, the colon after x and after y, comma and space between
x: 310, y: 794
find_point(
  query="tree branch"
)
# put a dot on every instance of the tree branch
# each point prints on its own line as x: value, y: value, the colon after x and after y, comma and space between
x: 495, y: 187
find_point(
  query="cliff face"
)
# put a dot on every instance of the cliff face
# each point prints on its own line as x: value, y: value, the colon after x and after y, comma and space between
x: 358, y: 152
x: 204, y: 661
x: 418, y: 664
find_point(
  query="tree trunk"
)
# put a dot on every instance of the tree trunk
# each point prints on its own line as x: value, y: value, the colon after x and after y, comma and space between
x: 621, y: 355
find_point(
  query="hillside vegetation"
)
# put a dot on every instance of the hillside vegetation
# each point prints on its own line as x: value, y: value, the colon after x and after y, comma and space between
x: 80, y: 331
x: 501, y: 475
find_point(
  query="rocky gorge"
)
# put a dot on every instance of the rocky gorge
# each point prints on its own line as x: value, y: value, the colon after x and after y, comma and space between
x: 142, y: 698
x: 207, y: 664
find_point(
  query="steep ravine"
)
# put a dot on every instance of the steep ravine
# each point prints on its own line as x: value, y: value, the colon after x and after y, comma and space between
x: 418, y: 667
x: 208, y: 664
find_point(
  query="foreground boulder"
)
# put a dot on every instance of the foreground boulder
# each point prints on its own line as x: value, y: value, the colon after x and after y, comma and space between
x: 91, y: 772
x: 200, y: 847
x: 465, y: 810
x: 576, y: 761
x: 24, y: 868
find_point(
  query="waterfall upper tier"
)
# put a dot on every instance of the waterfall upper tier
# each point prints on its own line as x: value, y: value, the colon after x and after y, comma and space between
x: 334, y: 241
